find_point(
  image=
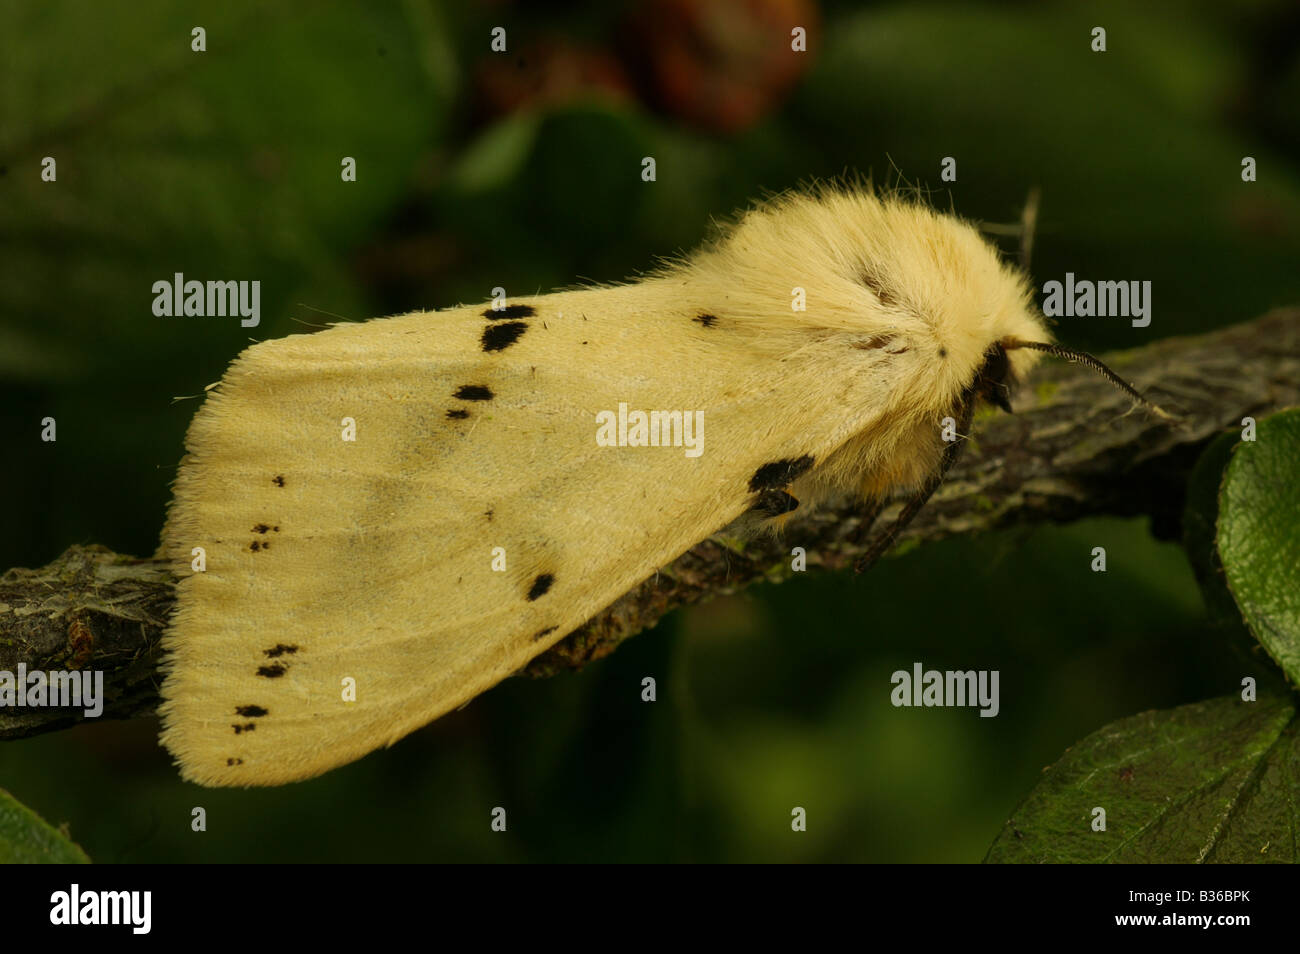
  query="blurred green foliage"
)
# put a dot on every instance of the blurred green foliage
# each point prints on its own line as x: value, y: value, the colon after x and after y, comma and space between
x: 225, y: 164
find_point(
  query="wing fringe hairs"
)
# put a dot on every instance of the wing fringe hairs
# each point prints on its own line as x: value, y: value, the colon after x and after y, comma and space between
x: 356, y: 589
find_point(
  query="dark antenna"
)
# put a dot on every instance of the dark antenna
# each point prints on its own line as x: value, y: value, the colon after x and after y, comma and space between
x: 1082, y: 357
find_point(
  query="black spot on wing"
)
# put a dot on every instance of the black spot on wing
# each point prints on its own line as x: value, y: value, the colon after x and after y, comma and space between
x: 250, y: 712
x: 544, y: 632
x: 273, y: 671
x: 246, y: 727
x: 540, y: 586
x: 510, y: 311
x: 774, y: 503
x: 779, y: 473
x: 474, y: 392
x: 279, y: 649
x: 458, y: 414
x: 708, y: 321
x: 234, y: 761
x: 278, y: 480
x: 500, y: 337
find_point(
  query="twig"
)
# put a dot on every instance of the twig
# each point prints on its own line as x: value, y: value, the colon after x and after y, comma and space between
x: 1075, y: 447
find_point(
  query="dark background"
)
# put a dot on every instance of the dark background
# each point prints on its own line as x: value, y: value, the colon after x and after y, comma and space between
x: 522, y: 170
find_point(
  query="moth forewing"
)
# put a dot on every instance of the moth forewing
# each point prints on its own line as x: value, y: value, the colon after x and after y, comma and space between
x: 370, y: 604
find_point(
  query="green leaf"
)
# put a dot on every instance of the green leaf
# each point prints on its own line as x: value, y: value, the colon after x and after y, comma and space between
x: 1200, y: 520
x: 497, y: 155
x: 1259, y: 536
x: 26, y: 838
x: 1209, y: 782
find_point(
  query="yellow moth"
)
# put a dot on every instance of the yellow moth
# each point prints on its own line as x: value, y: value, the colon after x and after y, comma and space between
x: 395, y: 515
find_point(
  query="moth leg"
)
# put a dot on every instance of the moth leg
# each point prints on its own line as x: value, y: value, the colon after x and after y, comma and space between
x: 868, y: 519
x: 774, y: 503
x: 880, y: 546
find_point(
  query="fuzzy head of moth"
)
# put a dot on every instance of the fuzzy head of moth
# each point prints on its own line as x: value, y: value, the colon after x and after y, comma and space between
x: 360, y: 581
